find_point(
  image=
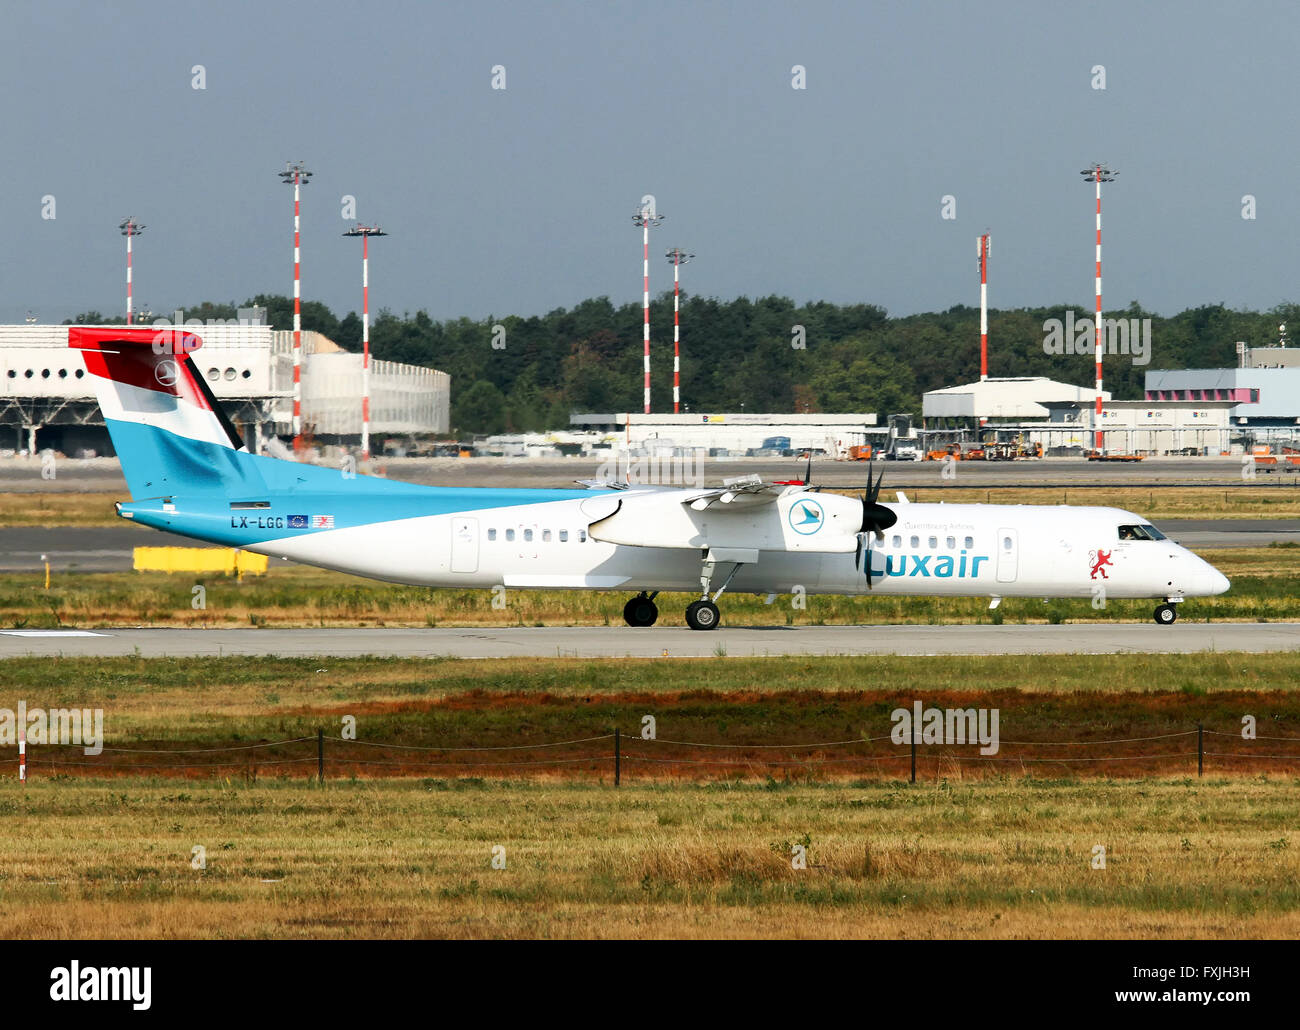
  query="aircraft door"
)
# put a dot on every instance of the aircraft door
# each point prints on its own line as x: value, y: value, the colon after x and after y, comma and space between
x: 1008, y: 546
x: 464, y: 545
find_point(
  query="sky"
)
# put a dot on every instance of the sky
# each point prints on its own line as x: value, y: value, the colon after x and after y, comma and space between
x: 519, y: 200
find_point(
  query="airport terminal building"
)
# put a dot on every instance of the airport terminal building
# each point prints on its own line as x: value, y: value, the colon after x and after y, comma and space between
x: 47, y: 400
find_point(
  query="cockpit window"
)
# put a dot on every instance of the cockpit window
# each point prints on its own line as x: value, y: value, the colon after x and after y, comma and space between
x: 1143, y: 532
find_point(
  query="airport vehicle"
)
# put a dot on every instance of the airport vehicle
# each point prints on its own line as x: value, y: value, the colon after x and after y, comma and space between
x: 189, y: 472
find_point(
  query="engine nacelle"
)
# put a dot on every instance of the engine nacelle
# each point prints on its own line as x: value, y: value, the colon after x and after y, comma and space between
x: 796, y: 520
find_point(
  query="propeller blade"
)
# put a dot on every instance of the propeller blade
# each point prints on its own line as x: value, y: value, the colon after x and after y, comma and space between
x: 875, y: 516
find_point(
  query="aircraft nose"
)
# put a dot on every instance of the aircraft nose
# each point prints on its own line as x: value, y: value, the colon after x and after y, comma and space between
x: 1209, y: 581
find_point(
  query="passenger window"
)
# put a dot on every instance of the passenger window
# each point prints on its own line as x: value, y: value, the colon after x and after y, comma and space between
x: 970, y: 541
x: 546, y: 536
x: 492, y: 534
x: 916, y: 541
x: 952, y: 543
x: 934, y: 541
x: 528, y: 535
x: 898, y: 541
x: 1006, y: 543
x: 582, y: 536
x: 510, y: 534
x: 564, y: 536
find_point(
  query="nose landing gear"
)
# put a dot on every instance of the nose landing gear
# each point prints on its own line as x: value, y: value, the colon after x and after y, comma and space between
x: 1166, y: 614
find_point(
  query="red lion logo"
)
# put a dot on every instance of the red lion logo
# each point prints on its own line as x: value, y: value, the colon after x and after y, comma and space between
x: 1100, y: 559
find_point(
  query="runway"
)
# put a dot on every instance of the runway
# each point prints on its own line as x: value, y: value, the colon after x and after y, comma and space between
x: 660, y: 642
x: 109, y: 548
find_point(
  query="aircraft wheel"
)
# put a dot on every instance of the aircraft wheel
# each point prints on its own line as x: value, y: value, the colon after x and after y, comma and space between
x: 702, y: 615
x: 1166, y: 614
x: 640, y: 611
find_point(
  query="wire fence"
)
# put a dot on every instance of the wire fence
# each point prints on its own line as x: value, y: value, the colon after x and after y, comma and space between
x: 613, y: 754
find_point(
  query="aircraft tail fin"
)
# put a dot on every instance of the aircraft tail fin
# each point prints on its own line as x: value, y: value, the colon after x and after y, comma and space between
x: 170, y: 433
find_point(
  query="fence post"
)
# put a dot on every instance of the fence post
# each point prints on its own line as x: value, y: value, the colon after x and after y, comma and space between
x: 22, y: 756
x: 913, y: 750
x: 617, y: 758
x: 1200, y: 749
x: 320, y: 756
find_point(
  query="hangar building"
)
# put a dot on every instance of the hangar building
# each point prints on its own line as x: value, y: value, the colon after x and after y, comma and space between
x: 1264, y: 390
x: 47, y: 400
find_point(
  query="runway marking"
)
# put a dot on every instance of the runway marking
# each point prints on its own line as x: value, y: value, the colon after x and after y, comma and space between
x: 50, y: 633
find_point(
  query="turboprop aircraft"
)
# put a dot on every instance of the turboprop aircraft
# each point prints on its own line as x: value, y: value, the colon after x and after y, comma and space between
x: 189, y: 472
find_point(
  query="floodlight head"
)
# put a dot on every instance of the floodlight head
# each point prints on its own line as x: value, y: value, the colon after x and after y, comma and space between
x: 294, y: 174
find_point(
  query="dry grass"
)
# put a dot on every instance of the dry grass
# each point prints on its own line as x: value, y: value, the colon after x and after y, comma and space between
x: 410, y: 859
x: 763, y: 709
x: 53, y: 508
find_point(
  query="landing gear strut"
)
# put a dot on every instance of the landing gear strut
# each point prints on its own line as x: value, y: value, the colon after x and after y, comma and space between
x: 1166, y: 614
x: 704, y: 614
x: 641, y: 610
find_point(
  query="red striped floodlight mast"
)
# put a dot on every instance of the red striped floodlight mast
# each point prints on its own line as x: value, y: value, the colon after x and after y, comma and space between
x: 984, y: 306
x: 296, y: 175
x: 677, y: 257
x: 646, y: 219
x: 130, y: 228
x: 1098, y: 174
x: 365, y: 232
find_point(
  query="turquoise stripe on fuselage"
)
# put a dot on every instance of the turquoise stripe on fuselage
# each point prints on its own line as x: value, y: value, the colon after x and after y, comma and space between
x: 200, y: 482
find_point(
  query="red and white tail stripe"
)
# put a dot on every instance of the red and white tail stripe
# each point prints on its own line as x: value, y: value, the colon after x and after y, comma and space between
x: 144, y: 377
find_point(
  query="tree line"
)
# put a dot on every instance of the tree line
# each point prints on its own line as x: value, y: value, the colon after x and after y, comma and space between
x: 769, y: 354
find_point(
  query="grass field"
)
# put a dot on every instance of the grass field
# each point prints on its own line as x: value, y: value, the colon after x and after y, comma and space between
x: 1183, y: 859
x: 1280, y: 499
x: 1262, y: 590
x: 697, y: 852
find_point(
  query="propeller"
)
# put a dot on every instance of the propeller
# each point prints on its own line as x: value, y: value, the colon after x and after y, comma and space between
x: 876, y: 518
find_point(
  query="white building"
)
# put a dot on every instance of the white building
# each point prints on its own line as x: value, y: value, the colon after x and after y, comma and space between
x: 1265, y: 389
x: 47, y: 399
x: 1149, y: 428
x: 726, y: 434
x: 1021, y: 397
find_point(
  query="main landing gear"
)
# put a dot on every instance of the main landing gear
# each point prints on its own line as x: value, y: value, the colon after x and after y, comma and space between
x: 641, y: 610
x: 703, y: 614
x: 1166, y: 614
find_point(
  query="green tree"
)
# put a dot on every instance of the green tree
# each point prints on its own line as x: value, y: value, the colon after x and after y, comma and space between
x: 479, y: 409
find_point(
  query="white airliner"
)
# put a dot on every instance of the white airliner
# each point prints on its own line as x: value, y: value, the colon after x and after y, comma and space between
x: 189, y: 473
